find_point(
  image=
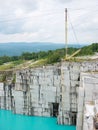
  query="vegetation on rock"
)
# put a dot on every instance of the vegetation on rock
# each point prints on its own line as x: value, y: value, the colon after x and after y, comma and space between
x: 45, y: 57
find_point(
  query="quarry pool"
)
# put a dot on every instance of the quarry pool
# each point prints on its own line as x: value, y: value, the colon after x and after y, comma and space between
x: 9, y: 121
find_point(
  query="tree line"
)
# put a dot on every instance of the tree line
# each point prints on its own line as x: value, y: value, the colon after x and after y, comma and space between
x: 51, y: 55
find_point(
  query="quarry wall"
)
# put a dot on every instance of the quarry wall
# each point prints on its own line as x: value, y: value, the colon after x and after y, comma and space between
x: 54, y: 90
x: 87, y: 118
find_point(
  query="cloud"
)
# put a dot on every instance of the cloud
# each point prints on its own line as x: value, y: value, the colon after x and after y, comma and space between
x: 13, y: 15
x: 44, y: 20
x: 64, y: 1
x: 18, y: 37
x: 12, y: 5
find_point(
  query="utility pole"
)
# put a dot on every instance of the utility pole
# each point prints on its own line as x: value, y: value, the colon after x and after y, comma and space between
x: 66, y: 32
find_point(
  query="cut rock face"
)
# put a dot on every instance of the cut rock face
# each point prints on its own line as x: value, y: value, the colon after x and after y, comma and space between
x: 96, y: 121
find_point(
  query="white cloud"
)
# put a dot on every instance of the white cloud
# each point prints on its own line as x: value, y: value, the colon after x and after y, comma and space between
x: 19, y: 37
x: 43, y: 20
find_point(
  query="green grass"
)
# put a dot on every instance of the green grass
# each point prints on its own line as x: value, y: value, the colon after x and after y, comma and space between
x: 6, y: 66
x: 11, y: 65
x: 18, y: 62
x: 38, y: 63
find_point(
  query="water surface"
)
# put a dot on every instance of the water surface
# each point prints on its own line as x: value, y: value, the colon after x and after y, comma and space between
x: 9, y: 121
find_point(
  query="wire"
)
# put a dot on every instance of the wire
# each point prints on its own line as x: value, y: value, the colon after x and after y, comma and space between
x: 84, y: 8
x: 74, y: 32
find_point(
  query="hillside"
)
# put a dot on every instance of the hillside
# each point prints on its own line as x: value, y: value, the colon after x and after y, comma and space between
x: 89, y: 50
x: 33, y: 59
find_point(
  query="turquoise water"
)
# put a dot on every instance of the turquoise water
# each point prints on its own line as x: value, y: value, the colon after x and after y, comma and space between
x: 9, y: 121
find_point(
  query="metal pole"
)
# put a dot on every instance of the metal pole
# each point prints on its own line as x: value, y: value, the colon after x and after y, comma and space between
x: 66, y: 32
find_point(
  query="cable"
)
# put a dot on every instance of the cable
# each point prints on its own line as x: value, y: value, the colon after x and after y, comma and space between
x: 84, y: 8
x: 73, y: 31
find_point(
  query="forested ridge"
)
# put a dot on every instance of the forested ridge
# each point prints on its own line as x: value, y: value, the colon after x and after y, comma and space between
x: 51, y: 56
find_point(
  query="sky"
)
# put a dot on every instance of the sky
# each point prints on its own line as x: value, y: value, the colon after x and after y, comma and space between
x: 44, y: 21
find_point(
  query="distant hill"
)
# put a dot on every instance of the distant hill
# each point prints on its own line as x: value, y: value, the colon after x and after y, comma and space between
x: 17, y: 48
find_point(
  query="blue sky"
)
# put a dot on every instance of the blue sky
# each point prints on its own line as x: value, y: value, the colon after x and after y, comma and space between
x: 43, y: 20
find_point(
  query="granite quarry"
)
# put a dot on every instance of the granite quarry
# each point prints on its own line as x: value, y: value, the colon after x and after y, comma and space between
x: 67, y: 90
